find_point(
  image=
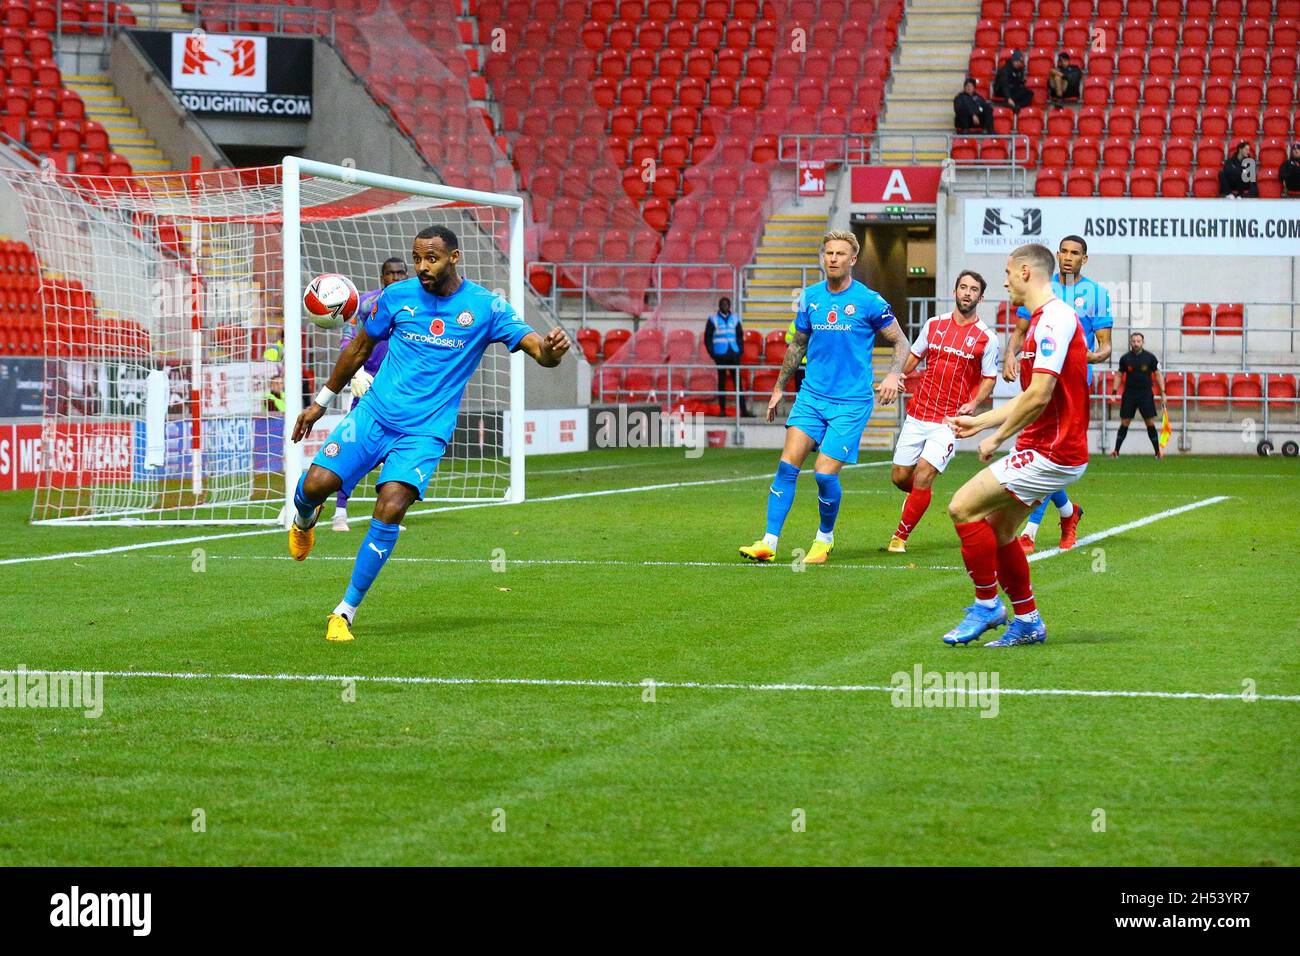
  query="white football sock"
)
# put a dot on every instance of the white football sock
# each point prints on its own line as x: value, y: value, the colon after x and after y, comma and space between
x: 346, y: 610
x: 987, y: 602
x: 1031, y: 616
x: 1067, y: 510
x: 1031, y: 530
x: 770, y: 540
x: 826, y: 537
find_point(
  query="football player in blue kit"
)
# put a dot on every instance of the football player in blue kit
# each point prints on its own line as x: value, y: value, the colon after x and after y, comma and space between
x: 437, y: 325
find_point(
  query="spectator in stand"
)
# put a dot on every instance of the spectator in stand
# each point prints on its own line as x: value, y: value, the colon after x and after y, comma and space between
x: 1065, y: 81
x: 973, y: 112
x: 1289, y: 172
x: 1238, y: 176
x: 724, y: 339
x: 1009, y: 83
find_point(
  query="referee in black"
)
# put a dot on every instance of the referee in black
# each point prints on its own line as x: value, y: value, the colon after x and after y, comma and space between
x: 1137, y: 365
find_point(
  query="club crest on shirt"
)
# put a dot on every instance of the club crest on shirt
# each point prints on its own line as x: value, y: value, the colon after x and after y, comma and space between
x: 1047, y: 346
x: 1080, y: 299
x: 331, y: 450
x: 436, y: 327
x: 970, y: 340
x: 849, y: 309
x: 465, y: 319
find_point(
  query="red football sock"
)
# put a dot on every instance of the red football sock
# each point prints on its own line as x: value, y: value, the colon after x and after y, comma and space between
x: 979, y: 549
x: 918, y: 499
x: 1013, y: 575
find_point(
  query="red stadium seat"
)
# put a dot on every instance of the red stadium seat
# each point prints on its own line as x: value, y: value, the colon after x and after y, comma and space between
x: 1049, y: 182
x: 1121, y: 121
x: 1229, y: 319
x: 1205, y: 183
x: 1196, y: 319
x: 1142, y: 182
x: 1117, y: 152
x: 1111, y: 182
x: 1211, y: 389
x: 1080, y: 182
x: 1175, y: 182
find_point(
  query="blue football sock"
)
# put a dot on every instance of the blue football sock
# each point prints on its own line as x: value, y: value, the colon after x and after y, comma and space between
x: 828, y: 501
x: 1060, y: 499
x: 1036, y: 516
x: 306, y: 508
x: 780, y: 497
x: 375, y: 550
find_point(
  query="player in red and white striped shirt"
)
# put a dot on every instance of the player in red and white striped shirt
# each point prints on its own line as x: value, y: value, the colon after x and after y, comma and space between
x: 1051, y: 414
x: 961, y: 365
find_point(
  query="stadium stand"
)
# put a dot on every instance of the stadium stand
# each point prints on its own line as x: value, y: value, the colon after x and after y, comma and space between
x: 38, y: 110
x: 1193, y: 77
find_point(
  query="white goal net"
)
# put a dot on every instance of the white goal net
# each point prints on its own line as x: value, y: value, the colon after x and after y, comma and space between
x: 177, y: 357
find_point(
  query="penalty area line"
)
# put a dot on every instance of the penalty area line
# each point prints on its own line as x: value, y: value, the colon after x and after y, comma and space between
x: 650, y: 682
x: 1138, y: 523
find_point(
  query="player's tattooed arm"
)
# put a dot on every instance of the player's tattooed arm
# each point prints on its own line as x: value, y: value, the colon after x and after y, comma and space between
x: 793, y: 357
x: 889, y: 386
x: 351, y: 358
x: 1011, y: 363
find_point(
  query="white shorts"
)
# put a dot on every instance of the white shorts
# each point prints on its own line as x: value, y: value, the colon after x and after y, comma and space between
x: 933, y: 441
x: 1032, y: 476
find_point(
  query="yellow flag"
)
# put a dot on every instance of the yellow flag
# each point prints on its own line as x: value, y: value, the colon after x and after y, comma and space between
x: 1165, y: 430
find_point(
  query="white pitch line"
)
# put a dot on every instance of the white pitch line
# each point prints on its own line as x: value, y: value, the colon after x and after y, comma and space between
x: 1139, y: 523
x: 743, y: 565
x: 672, y: 685
x: 145, y: 545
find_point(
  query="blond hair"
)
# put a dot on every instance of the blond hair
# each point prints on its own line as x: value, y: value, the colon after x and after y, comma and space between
x: 842, y: 236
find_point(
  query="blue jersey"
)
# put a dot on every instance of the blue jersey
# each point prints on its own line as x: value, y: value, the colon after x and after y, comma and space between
x: 1091, y: 303
x: 841, y: 329
x: 434, y: 345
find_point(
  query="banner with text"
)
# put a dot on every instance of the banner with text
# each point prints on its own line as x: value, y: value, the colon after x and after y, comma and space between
x: 1138, y: 227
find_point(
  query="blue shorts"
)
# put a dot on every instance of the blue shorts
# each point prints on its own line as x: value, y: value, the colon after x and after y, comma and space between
x: 360, y: 442
x: 836, y: 426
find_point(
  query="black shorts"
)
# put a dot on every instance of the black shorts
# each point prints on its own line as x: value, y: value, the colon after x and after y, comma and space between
x: 1144, y: 402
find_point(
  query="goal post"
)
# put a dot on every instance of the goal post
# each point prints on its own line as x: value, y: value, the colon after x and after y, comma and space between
x: 176, y: 355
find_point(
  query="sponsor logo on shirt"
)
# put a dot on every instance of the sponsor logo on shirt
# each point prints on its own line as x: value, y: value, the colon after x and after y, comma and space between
x: 1047, y: 346
x: 405, y: 308
x: 832, y: 317
x: 436, y: 327
x: 446, y: 341
x: 951, y: 350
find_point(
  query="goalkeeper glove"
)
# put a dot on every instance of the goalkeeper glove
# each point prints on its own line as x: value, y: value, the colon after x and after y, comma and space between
x: 361, y: 383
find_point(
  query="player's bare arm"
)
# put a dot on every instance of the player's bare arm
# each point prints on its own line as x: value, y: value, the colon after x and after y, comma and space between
x: 887, y: 390
x: 1103, y: 348
x: 350, y: 359
x: 979, y: 398
x: 1011, y: 418
x: 793, y: 357
x: 1010, y: 365
x: 546, y: 351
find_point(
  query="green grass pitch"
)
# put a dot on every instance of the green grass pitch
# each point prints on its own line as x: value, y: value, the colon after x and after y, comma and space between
x: 647, y: 585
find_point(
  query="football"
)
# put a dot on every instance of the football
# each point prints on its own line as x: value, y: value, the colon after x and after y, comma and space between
x: 330, y: 300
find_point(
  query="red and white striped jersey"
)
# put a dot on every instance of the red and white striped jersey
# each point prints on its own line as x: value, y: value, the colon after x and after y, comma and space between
x: 1056, y: 344
x: 957, y: 355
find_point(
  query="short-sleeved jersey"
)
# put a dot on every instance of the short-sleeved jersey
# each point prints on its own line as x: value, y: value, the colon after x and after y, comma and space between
x: 1138, y: 367
x: 841, y: 329
x: 1055, y: 344
x: 434, y: 345
x: 364, y: 308
x: 1091, y: 304
x: 957, y: 356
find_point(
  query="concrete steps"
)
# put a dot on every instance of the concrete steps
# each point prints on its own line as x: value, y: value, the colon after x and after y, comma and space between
x: 792, y: 240
x: 126, y: 134
x: 163, y: 15
x: 933, y: 53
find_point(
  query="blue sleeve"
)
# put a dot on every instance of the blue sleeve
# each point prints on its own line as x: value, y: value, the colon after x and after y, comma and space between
x: 1022, y: 313
x: 884, y: 314
x: 379, y: 323
x: 507, y: 328
x: 1101, y: 317
x: 802, y: 322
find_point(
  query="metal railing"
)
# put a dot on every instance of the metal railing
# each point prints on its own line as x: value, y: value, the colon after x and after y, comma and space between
x: 1187, y: 409
x: 573, y: 282
x: 82, y: 37
x: 905, y: 149
x: 1152, y: 318
x: 676, y: 389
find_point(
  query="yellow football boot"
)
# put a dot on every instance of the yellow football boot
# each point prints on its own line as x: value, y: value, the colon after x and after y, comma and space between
x: 301, y: 542
x: 337, y: 629
x: 758, y: 551
x: 819, y: 552
x: 897, y: 545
